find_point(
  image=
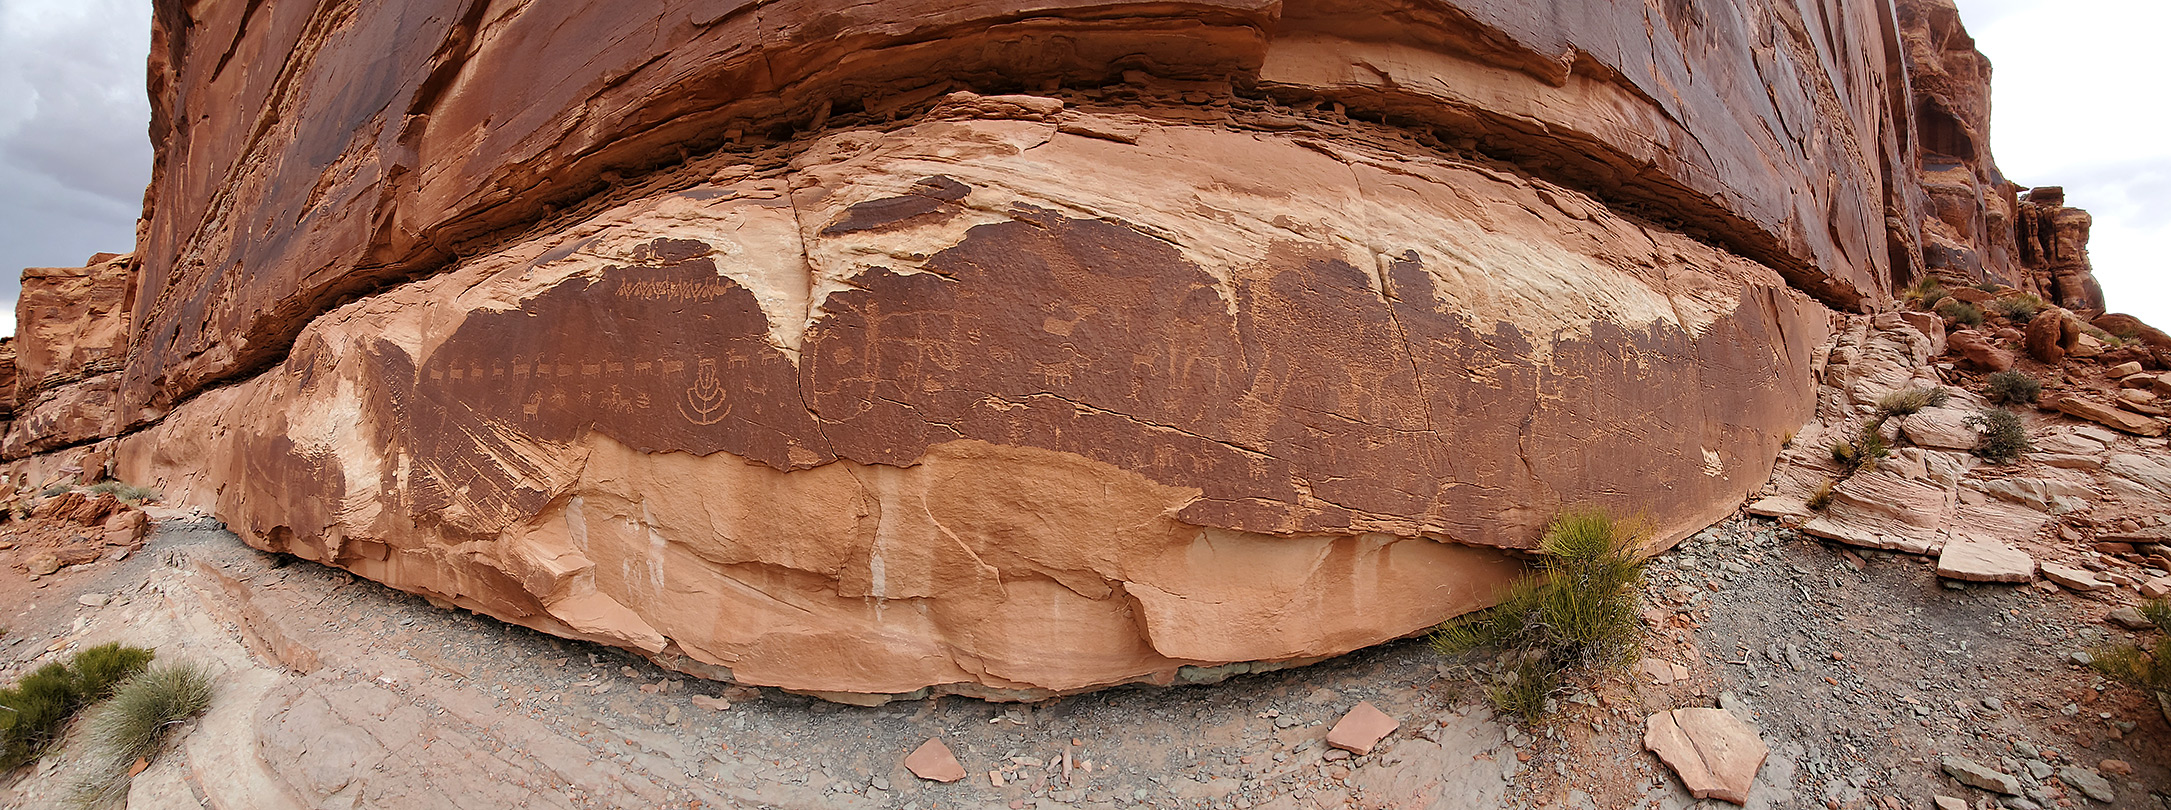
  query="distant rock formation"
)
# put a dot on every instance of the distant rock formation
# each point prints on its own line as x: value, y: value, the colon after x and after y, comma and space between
x: 998, y: 348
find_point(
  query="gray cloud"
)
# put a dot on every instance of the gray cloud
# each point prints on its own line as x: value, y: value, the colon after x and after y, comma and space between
x: 74, y: 153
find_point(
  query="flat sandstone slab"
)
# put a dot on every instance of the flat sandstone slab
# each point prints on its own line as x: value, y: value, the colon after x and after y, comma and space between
x: 1715, y: 753
x: 1985, y: 561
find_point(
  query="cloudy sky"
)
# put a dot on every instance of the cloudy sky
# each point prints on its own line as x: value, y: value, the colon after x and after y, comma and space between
x: 74, y: 155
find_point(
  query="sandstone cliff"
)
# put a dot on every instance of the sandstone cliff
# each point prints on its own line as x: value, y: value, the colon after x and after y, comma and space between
x: 1002, y: 348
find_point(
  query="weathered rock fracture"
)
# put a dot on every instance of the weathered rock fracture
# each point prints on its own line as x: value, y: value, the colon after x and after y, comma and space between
x: 999, y: 348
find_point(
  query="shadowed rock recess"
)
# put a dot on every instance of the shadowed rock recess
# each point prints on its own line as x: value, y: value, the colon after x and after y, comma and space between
x: 1004, y: 349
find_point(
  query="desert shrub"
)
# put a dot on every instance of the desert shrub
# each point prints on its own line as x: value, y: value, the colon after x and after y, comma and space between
x: 33, y: 711
x: 1926, y: 291
x: 1988, y: 286
x: 2020, y: 308
x: 2148, y: 669
x: 2013, y: 388
x: 126, y: 492
x: 135, y: 722
x: 1577, y: 611
x: 1960, y: 311
x: 55, y: 489
x: 1821, y: 497
x: 1905, y: 401
x: 2003, y: 438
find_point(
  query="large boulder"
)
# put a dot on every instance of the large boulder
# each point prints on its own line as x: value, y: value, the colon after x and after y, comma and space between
x: 947, y: 417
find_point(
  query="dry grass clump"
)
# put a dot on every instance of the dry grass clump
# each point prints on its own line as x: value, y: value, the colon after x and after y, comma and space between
x: 1926, y: 291
x: 127, y: 493
x: 1862, y: 451
x: 2013, y: 388
x: 135, y: 723
x: 2020, y: 308
x: 1960, y: 311
x: 1821, y: 498
x: 1577, y: 611
x: 1909, y: 401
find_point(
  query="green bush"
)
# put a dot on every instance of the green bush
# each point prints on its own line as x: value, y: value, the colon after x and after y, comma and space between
x: 2013, y: 388
x: 1906, y: 401
x: 134, y: 724
x: 2003, y: 438
x: 32, y: 713
x: 2020, y: 308
x: 1960, y: 311
x: 1577, y: 611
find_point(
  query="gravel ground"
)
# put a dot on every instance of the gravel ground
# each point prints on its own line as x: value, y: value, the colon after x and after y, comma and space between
x: 1863, y: 671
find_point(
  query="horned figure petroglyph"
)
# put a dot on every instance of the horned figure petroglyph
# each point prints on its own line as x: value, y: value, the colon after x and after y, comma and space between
x: 704, y: 403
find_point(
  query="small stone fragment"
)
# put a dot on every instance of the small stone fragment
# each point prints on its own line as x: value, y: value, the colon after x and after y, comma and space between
x: 711, y: 703
x: 1977, y: 350
x: 2073, y: 578
x: 2089, y: 783
x: 43, y: 563
x: 2106, y: 415
x: 1661, y: 673
x: 1361, y: 729
x: 1976, y: 775
x: 933, y: 762
x: 99, y: 600
x: 2129, y: 617
x: 2156, y: 588
x: 1715, y: 753
x: 2115, y: 767
x: 1950, y: 803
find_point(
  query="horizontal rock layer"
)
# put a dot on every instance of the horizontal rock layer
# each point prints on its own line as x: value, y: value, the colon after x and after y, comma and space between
x: 311, y: 153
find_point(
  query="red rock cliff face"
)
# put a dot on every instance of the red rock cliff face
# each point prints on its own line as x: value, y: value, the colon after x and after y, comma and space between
x: 996, y: 348
x: 1974, y: 226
